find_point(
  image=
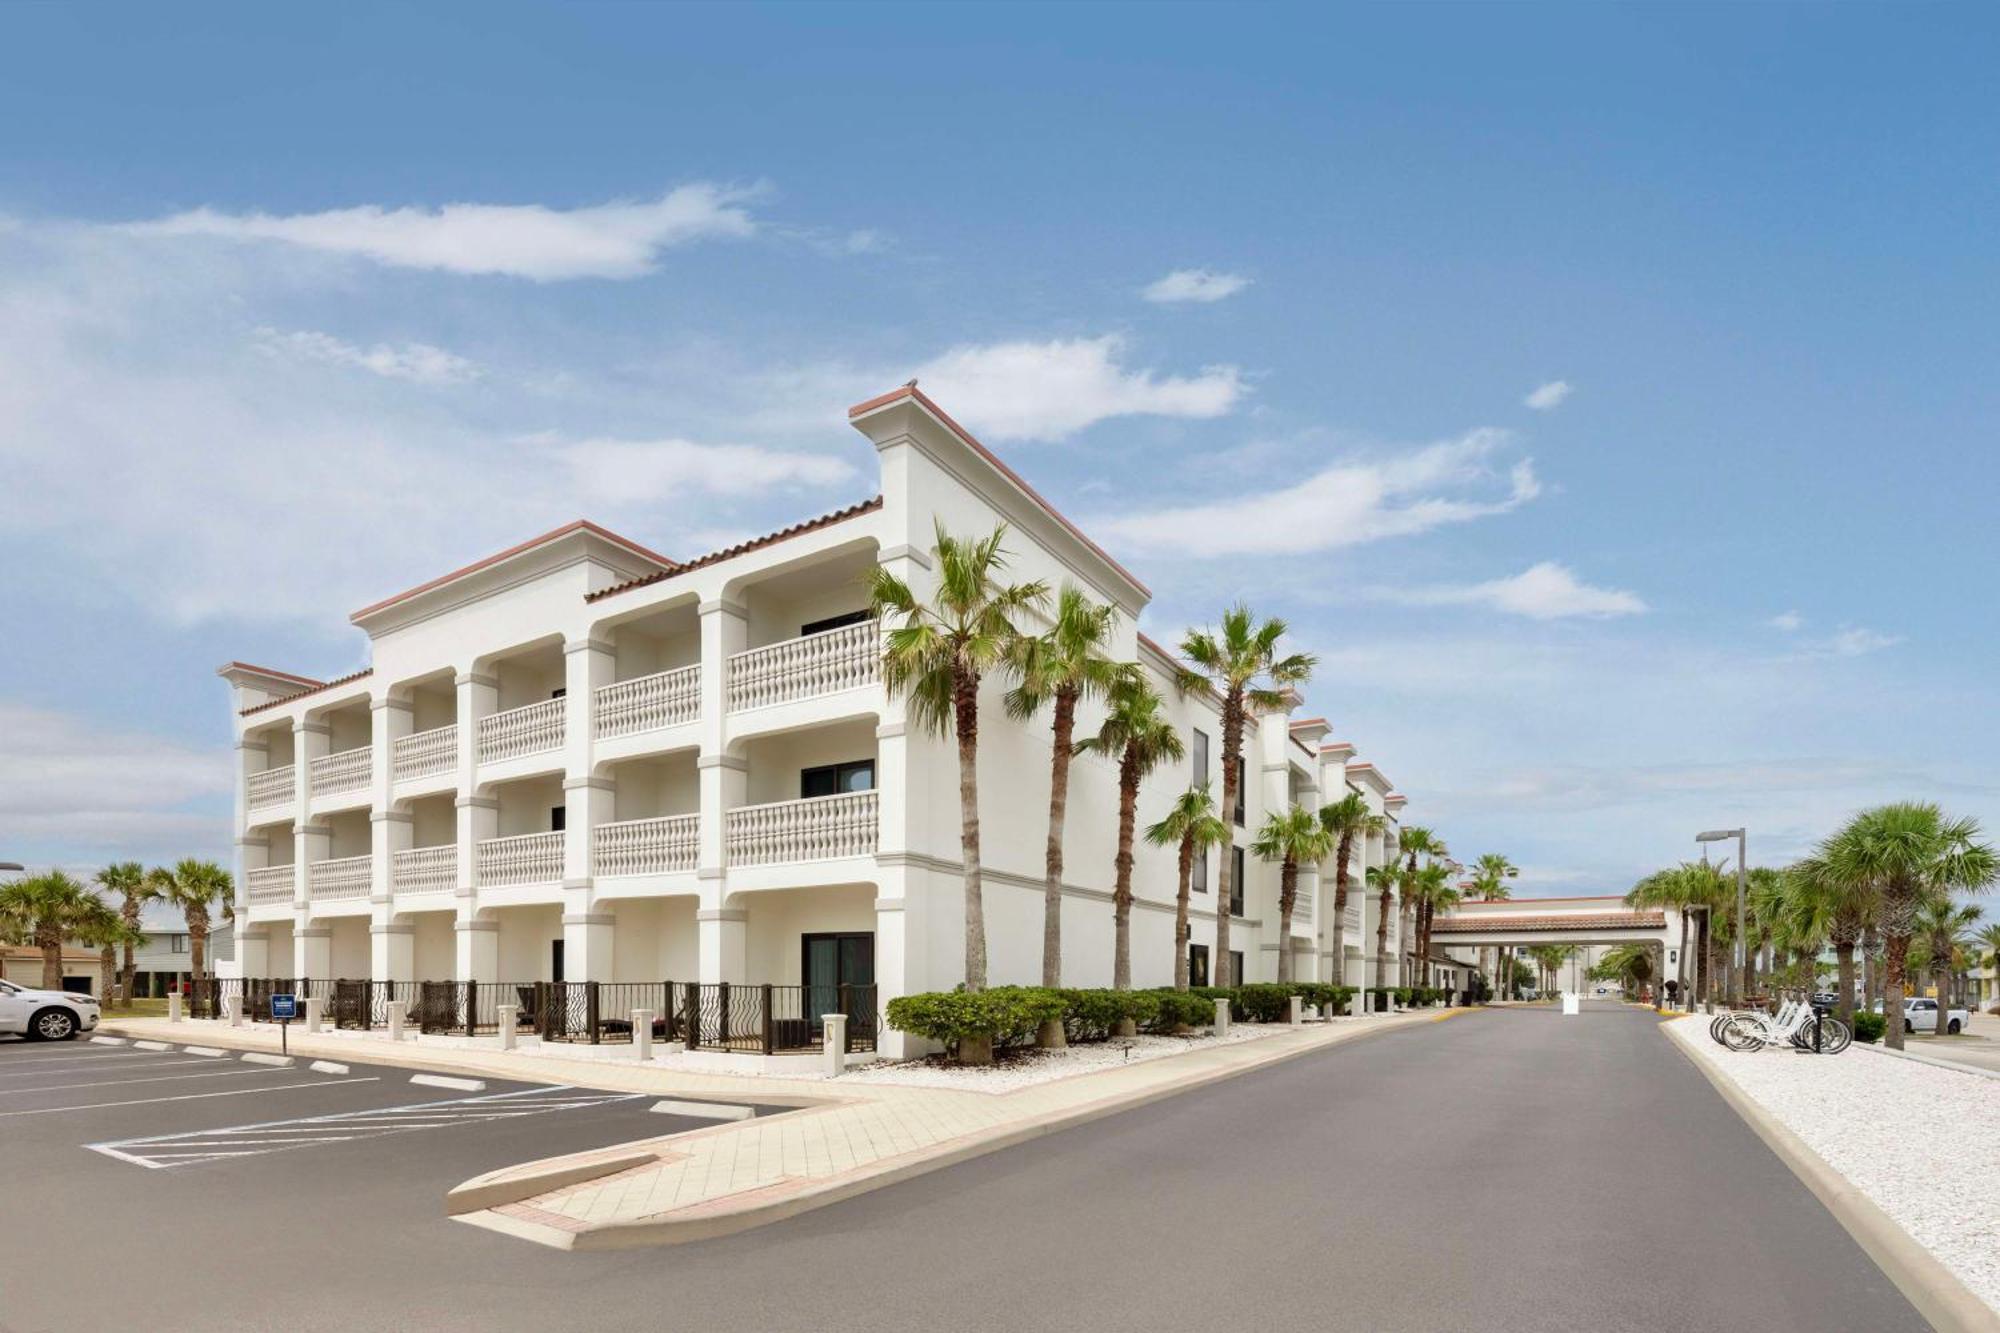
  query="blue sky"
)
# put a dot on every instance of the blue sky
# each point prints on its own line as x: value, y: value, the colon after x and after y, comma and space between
x: 297, y: 310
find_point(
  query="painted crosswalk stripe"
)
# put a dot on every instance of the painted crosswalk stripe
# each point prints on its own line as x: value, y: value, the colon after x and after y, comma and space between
x: 215, y: 1145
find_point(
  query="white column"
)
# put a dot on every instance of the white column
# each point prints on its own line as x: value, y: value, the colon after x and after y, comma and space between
x: 478, y: 949
x: 587, y: 945
x: 722, y: 775
x: 252, y: 853
x: 312, y: 953
x: 392, y: 952
x: 723, y: 936
x: 478, y: 815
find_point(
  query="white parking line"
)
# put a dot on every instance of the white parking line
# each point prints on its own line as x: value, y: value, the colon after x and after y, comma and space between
x: 189, y: 1149
x: 121, y: 1082
x: 67, y: 1071
x: 190, y: 1096
x: 80, y: 1055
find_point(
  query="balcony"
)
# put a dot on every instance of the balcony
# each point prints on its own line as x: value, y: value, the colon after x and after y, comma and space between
x: 527, y: 858
x: 648, y: 703
x: 349, y: 770
x: 273, y: 786
x: 425, y: 754
x: 268, y: 884
x: 521, y: 731
x: 841, y: 659
x: 644, y: 846
x: 819, y: 828
x: 340, y: 880
x: 424, y: 870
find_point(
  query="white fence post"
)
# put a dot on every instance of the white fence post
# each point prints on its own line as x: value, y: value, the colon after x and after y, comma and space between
x: 1294, y: 1011
x: 508, y: 1022
x: 836, y: 1043
x: 642, y: 1034
x: 315, y: 1013
x: 234, y: 1004
x: 174, y: 1007
x: 1222, y: 1018
x: 395, y: 1008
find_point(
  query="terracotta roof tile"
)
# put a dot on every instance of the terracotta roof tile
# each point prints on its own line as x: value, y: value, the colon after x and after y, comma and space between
x: 348, y: 679
x: 580, y: 525
x: 1580, y: 921
x: 741, y: 548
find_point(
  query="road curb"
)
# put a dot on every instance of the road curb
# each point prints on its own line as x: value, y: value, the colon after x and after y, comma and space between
x: 511, y: 1184
x: 1926, y: 1058
x: 1927, y: 1284
x: 697, y: 1224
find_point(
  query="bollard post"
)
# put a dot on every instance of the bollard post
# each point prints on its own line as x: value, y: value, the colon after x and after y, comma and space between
x: 315, y: 1013
x: 1222, y: 1017
x: 174, y: 1007
x: 508, y: 1024
x: 234, y: 1004
x: 642, y: 1034
x: 395, y: 1008
x: 1295, y: 1011
x: 836, y: 1043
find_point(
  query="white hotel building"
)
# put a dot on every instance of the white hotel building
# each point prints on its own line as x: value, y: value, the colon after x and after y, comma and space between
x: 580, y: 760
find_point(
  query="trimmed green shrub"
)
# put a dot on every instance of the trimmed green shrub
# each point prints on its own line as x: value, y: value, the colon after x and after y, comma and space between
x: 1229, y: 993
x: 1177, y: 1009
x: 1093, y: 1015
x: 1008, y: 1015
x: 1264, y: 1002
x: 1869, y: 1027
x: 1324, y: 995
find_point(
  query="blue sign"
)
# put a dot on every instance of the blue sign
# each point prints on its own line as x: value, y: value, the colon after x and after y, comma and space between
x: 284, y: 1006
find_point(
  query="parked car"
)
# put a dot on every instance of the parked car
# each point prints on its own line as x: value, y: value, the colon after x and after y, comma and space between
x: 45, y: 1015
x: 1920, y: 1015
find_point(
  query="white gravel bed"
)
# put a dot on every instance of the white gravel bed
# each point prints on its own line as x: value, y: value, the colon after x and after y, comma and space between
x: 1922, y: 1142
x: 1015, y: 1070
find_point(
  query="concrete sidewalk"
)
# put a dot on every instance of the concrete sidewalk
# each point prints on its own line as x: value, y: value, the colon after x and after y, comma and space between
x: 846, y: 1137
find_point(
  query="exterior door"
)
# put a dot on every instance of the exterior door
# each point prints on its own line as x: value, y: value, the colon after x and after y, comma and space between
x: 830, y: 962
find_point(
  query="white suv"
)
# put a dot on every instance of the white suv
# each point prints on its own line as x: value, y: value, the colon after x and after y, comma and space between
x: 45, y: 1015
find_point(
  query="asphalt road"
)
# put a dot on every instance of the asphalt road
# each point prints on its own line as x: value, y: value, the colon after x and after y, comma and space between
x: 1500, y: 1170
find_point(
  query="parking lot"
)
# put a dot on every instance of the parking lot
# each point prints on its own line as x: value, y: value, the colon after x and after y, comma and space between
x: 217, y: 1185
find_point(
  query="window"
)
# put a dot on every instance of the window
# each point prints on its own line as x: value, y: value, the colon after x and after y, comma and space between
x: 1197, y: 964
x: 1239, y: 791
x: 1236, y: 977
x: 177, y: 944
x: 1198, y: 872
x: 812, y: 627
x: 1198, y: 752
x: 833, y: 779
x: 558, y: 818
x: 561, y: 691
x: 1236, y: 881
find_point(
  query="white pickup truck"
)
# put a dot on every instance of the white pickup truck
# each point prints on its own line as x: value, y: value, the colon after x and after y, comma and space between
x: 1920, y: 1015
x: 45, y: 1015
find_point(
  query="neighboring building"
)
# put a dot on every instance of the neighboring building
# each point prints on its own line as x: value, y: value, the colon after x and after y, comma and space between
x: 1480, y: 932
x: 582, y: 760
x: 166, y: 958
x: 22, y: 965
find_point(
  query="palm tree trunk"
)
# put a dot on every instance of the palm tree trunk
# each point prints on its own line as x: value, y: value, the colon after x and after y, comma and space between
x: 51, y: 946
x: 1895, y: 955
x: 1707, y: 964
x: 1232, y: 743
x: 1843, y: 961
x: 1065, y: 727
x: 107, y: 974
x: 1288, y: 892
x: 965, y: 715
x: 1681, y: 996
x: 129, y: 974
x: 1871, y: 975
x: 1121, y: 897
x: 1941, y: 978
x: 1382, y: 938
x: 1181, y: 915
x: 1339, y: 940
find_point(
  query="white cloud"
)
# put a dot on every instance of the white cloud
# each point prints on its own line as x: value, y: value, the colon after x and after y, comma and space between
x: 1788, y: 621
x: 1194, y: 284
x: 1854, y: 641
x: 1343, y: 505
x: 419, y: 363
x: 98, y: 793
x: 1546, y: 591
x: 614, y: 240
x: 1549, y: 396
x: 1051, y: 390
x: 632, y: 471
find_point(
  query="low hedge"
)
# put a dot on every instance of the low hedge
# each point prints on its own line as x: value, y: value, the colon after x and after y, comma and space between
x: 1008, y: 1015
x: 1179, y: 1009
x: 1869, y: 1027
x: 1094, y: 1015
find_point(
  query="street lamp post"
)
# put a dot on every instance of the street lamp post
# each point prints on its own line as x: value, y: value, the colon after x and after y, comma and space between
x: 1742, y: 836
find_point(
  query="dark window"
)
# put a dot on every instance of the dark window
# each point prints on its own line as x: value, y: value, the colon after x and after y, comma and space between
x: 1197, y: 964
x: 832, y: 622
x: 558, y: 818
x: 1236, y: 881
x: 1236, y: 967
x: 833, y: 779
x: 1239, y: 791
x: 561, y: 691
x: 1198, y: 752
x: 1198, y: 872
x: 555, y: 960
x: 828, y: 962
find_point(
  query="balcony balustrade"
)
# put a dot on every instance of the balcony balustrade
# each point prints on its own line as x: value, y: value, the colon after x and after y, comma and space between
x: 649, y: 703
x: 334, y: 774
x: 804, y: 668
x: 341, y: 879
x: 521, y: 731
x: 819, y: 828
x: 645, y: 846
x: 268, y: 884
x: 273, y: 786
x: 424, y: 754
x: 424, y: 870
x: 527, y: 858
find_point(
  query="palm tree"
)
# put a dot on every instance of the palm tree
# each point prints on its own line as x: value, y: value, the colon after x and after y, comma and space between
x: 1242, y: 665
x: 1437, y: 888
x: 1989, y: 940
x: 1630, y: 965
x: 103, y: 927
x: 1193, y: 827
x: 1692, y: 888
x: 1292, y: 838
x: 1137, y: 731
x: 936, y: 654
x: 1345, y: 820
x: 1490, y: 874
x: 1415, y: 841
x: 1906, y: 852
x: 1062, y: 666
x: 128, y: 880
x: 1383, y: 879
x: 1816, y: 906
x: 43, y: 911
x: 1946, y: 927
x: 191, y: 885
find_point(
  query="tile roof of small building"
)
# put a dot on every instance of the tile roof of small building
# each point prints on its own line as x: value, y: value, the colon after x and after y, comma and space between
x: 741, y: 548
x: 1580, y: 921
